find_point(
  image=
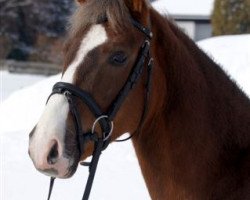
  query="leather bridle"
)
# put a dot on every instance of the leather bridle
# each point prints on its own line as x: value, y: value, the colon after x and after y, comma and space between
x: 105, y: 120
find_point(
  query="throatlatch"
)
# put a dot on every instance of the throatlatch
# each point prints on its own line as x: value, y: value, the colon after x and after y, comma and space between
x: 105, y: 120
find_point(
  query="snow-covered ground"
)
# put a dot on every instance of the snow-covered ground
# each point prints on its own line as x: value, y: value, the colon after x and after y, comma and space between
x: 12, y: 82
x: 118, y: 175
x: 233, y: 54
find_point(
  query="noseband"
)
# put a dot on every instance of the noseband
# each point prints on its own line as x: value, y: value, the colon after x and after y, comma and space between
x: 105, y: 120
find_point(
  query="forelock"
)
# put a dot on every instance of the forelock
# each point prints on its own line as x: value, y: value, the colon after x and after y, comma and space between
x: 93, y: 11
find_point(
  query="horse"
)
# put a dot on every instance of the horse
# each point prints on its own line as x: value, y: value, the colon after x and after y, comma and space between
x: 191, y: 134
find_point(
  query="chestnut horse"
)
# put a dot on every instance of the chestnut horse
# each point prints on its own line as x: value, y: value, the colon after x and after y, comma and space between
x: 194, y: 142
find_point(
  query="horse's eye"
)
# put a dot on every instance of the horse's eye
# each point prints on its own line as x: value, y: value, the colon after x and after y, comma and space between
x: 118, y: 58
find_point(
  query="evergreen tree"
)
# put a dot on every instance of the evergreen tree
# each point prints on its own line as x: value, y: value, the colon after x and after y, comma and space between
x: 50, y: 16
x: 23, y: 20
x: 231, y: 17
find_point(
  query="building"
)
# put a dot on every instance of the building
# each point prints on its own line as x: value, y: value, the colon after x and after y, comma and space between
x: 198, y: 27
x: 192, y: 16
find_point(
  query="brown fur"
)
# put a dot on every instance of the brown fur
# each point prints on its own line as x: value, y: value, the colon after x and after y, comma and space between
x: 94, y: 11
x: 202, y: 129
x: 195, y: 141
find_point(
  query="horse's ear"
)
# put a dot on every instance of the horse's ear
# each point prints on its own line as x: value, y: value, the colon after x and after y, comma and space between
x: 139, y: 9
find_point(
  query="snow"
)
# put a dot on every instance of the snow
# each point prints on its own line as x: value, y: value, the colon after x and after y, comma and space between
x: 118, y: 171
x: 118, y: 174
x: 233, y: 54
x: 182, y: 7
x: 21, y: 81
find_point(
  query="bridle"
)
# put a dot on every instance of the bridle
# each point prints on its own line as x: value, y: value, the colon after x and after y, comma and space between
x: 105, y: 120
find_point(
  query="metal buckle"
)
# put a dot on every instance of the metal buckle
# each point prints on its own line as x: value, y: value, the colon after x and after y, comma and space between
x: 111, y: 125
x: 146, y: 43
x: 150, y: 62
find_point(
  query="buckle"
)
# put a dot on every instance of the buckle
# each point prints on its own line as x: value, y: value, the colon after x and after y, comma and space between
x: 110, y: 123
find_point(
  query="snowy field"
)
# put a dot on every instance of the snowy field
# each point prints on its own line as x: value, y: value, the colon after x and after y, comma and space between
x: 233, y: 54
x: 118, y: 174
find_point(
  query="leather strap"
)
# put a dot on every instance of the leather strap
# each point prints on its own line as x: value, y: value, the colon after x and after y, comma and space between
x: 142, y: 28
x: 131, y: 81
x: 52, y: 180
x: 146, y: 100
x: 92, y: 168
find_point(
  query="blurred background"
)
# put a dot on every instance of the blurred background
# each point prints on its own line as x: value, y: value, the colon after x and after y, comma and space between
x: 34, y: 30
x: 32, y: 34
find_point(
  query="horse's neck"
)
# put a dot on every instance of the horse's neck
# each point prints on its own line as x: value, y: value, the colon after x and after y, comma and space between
x: 187, y: 133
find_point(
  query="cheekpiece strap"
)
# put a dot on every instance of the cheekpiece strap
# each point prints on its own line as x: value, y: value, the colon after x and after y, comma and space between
x: 142, y: 28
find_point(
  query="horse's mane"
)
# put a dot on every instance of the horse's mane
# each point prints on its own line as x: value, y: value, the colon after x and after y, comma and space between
x: 187, y: 68
x: 94, y: 11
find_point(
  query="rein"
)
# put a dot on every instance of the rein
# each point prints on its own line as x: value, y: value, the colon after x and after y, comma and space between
x: 105, y: 120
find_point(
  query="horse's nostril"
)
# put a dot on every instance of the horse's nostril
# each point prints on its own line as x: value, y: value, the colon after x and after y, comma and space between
x: 53, y: 154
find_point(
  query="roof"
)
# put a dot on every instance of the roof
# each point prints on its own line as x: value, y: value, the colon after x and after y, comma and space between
x: 191, y: 18
x: 184, y: 7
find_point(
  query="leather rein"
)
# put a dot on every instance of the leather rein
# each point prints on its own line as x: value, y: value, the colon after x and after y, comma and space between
x: 105, y: 120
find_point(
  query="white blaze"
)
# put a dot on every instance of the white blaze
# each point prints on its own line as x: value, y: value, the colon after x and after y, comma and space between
x: 95, y: 37
x: 52, y: 123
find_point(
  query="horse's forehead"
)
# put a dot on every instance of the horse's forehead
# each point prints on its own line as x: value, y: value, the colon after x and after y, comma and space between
x: 95, y: 37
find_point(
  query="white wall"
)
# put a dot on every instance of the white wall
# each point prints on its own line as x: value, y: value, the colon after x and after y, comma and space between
x: 188, y: 28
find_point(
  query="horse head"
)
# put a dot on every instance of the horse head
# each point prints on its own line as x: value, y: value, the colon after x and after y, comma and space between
x: 105, y: 42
